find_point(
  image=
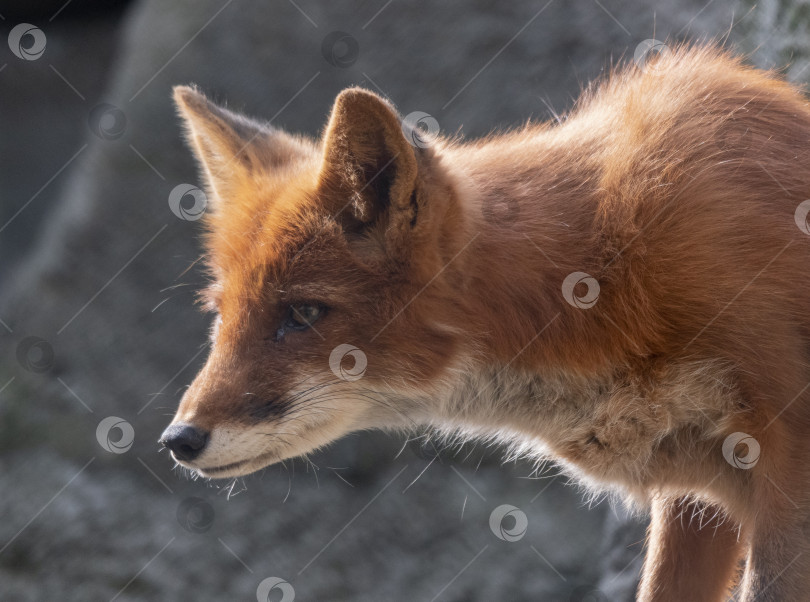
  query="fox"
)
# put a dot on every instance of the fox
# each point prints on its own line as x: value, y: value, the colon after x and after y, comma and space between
x: 622, y: 290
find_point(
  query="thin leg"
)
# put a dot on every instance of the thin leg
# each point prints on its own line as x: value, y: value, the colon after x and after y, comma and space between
x: 692, y: 553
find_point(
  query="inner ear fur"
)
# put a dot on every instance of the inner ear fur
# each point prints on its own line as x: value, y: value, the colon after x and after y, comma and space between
x: 369, y: 169
x: 230, y: 146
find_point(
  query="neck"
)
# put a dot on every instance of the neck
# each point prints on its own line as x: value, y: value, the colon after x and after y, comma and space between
x: 529, y: 213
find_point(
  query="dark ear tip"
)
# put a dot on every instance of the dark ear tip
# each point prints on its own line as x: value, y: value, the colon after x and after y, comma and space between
x: 356, y: 97
x: 188, y: 97
x: 357, y: 92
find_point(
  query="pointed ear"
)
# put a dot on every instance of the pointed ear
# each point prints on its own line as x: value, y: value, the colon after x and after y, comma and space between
x: 369, y: 168
x: 231, y: 146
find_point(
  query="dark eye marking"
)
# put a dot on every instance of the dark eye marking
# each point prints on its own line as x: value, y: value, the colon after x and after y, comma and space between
x: 300, y: 317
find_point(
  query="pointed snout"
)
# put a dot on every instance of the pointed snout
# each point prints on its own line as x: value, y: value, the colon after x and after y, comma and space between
x: 185, y: 441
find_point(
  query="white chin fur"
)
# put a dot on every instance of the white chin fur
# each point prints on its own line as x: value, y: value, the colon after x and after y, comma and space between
x: 236, y: 469
x: 238, y: 450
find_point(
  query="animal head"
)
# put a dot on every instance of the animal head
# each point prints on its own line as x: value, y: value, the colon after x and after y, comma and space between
x: 327, y: 284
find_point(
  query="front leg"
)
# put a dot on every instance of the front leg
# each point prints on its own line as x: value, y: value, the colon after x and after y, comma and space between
x: 692, y: 552
x: 778, y: 565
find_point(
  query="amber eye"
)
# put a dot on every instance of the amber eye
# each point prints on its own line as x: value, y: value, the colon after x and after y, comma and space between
x: 303, y: 315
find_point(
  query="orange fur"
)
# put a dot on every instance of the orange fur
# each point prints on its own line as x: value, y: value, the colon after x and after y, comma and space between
x: 674, y: 188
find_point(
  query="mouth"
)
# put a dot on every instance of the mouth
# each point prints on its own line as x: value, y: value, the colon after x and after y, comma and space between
x: 235, y: 469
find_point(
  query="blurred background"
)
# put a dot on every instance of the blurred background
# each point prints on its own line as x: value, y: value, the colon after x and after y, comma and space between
x: 99, y: 335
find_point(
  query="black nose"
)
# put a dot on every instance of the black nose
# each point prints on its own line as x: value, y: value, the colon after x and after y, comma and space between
x: 185, y: 441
